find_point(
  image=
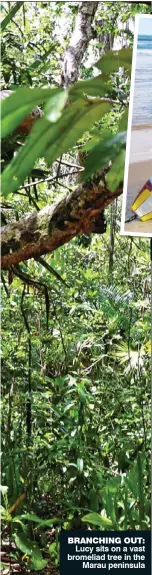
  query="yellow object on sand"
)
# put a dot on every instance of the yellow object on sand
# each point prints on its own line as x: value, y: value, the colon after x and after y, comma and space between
x: 142, y: 205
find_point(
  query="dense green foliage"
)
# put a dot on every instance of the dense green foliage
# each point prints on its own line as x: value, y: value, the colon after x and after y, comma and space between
x: 76, y: 344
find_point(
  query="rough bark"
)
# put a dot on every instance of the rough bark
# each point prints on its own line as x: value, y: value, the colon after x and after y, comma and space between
x: 41, y: 233
x: 81, y: 36
x: 81, y: 212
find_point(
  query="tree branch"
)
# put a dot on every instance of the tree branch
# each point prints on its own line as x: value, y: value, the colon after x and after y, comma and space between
x: 81, y: 36
x: 43, y: 232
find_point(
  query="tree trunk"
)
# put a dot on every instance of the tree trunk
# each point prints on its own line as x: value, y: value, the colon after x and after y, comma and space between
x: 81, y: 36
x: 81, y: 212
x: 42, y: 232
x: 113, y: 217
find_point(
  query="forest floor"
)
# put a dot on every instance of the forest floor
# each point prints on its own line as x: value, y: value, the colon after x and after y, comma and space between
x: 11, y: 566
x: 44, y: 508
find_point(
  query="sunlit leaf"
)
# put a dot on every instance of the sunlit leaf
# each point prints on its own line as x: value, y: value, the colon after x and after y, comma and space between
x: 24, y: 544
x: 116, y: 172
x: 98, y: 86
x: 113, y: 60
x: 96, y: 519
x: 80, y: 464
x: 11, y: 14
x: 105, y: 151
x: 52, y: 140
x: 55, y: 105
x: 37, y: 563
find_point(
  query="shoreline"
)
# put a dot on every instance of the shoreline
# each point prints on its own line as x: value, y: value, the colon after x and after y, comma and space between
x: 139, y: 174
x: 141, y: 127
x: 141, y: 145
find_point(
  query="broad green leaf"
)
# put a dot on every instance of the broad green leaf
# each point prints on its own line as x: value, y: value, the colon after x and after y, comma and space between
x: 113, y: 60
x: 51, y: 141
x: 90, y: 145
x: 83, y: 396
x: 37, y: 563
x: 131, y: 481
x: 96, y: 519
x: 31, y: 517
x: 106, y: 150
x: 132, y: 485
x: 141, y: 492
x: 19, y: 522
x: 55, y: 105
x: 116, y: 172
x: 69, y: 406
x: 80, y: 464
x: 39, y: 61
x: 110, y: 509
x: 93, y: 499
x: 98, y: 86
x: 15, y: 174
x: 51, y: 522
x: 88, y: 112
x: 24, y: 544
x: 31, y: 549
x: 113, y: 484
x: 11, y: 14
x: 52, y: 548
x: 123, y: 121
x: 20, y: 103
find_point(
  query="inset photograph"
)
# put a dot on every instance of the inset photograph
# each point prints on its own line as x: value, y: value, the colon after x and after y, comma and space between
x: 137, y: 195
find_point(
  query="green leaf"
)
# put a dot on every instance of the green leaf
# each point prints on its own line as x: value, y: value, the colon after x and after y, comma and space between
x: 98, y: 86
x: 39, y: 61
x: 80, y: 464
x: 69, y: 406
x: 113, y: 484
x: 17, y: 520
x: 24, y: 544
x: 10, y: 15
x: 113, y: 60
x: 52, y: 140
x: 20, y: 103
x: 31, y: 517
x: 37, y: 563
x: 110, y: 508
x: 50, y: 522
x: 131, y: 482
x: 82, y: 395
x: 93, y: 499
x: 31, y: 549
x: 123, y: 121
x: 55, y: 105
x: 106, y: 150
x: 116, y: 173
x: 85, y: 113
x: 96, y: 519
x: 141, y: 491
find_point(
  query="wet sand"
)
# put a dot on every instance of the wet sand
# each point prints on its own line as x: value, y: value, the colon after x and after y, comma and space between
x: 142, y: 127
x: 140, y: 169
x: 141, y: 144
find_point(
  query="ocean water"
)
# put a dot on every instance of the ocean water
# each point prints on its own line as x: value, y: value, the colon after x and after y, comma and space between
x: 142, y: 104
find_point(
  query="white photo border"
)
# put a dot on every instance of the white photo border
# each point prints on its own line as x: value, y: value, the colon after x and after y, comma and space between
x: 129, y: 129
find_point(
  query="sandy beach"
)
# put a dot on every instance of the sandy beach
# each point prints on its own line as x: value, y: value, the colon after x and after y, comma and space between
x: 140, y: 169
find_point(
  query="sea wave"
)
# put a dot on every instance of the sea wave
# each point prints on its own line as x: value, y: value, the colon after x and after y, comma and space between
x: 145, y: 51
